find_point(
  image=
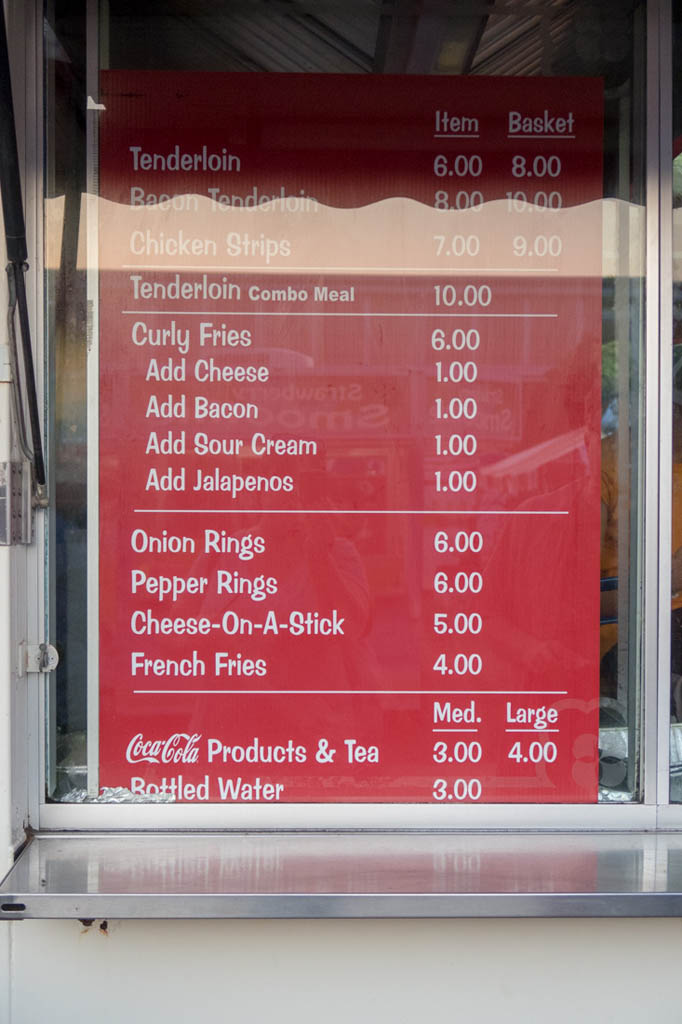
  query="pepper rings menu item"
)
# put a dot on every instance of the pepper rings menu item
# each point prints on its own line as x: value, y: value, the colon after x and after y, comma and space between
x: 349, y: 437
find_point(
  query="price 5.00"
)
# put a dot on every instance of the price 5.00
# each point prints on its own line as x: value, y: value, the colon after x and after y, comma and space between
x: 461, y: 624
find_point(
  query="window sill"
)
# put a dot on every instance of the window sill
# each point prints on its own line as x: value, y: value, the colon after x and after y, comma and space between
x: 289, y: 875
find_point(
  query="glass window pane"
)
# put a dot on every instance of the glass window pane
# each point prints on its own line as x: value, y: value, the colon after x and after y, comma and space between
x: 428, y: 309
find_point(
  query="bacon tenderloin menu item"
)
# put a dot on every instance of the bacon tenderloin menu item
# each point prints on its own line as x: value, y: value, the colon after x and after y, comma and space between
x: 349, y: 437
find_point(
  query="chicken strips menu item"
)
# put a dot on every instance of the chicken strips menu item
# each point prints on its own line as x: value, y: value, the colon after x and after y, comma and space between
x: 348, y: 343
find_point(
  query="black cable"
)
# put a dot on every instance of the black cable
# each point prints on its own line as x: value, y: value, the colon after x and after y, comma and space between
x: 15, y: 236
x: 10, y: 181
x: 29, y: 376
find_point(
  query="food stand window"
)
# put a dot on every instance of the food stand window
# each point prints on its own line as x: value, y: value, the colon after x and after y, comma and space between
x: 346, y: 319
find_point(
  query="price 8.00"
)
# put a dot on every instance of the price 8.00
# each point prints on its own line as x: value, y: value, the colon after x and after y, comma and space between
x: 536, y: 167
x: 460, y: 200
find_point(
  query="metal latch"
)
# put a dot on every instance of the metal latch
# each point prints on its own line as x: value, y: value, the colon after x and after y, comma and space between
x: 16, y: 512
x: 37, y: 658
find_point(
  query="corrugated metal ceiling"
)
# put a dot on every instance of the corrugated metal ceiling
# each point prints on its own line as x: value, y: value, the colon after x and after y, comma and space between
x: 504, y: 37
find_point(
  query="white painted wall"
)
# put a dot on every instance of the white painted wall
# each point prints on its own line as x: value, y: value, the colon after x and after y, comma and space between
x: 328, y: 972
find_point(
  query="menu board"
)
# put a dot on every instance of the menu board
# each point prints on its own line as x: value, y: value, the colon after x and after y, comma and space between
x: 348, y: 354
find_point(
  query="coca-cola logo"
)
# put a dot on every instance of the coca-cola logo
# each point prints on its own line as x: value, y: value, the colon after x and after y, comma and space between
x: 180, y: 748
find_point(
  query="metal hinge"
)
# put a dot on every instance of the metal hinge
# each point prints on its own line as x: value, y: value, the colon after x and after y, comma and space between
x: 16, y: 512
x: 37, y: 658
x: 5, y: 365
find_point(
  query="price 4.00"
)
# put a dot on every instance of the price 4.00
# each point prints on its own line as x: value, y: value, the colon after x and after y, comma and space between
x: 535, y: 752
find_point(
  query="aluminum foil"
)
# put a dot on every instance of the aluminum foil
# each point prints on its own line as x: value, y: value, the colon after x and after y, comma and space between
x: 116, y: 795
x: 614, y: 796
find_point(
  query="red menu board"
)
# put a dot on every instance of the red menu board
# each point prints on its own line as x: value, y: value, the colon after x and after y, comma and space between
x: 349, y: 437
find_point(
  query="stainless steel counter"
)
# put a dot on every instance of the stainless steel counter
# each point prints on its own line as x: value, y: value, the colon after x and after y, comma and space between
x: 279, y: 875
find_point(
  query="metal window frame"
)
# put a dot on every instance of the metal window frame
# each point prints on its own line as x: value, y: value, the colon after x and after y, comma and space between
x: 23, y: 568
x: 654, y: 654
x: 92, y: 385
x: 659, y: 382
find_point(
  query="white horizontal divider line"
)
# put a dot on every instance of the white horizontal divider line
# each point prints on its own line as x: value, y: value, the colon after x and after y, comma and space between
x: 454, y: 730
x: 402, y: 316
x: 521, y: 135
x: 345, y: 512
x: 440, y: 271
x: 388, y: 693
